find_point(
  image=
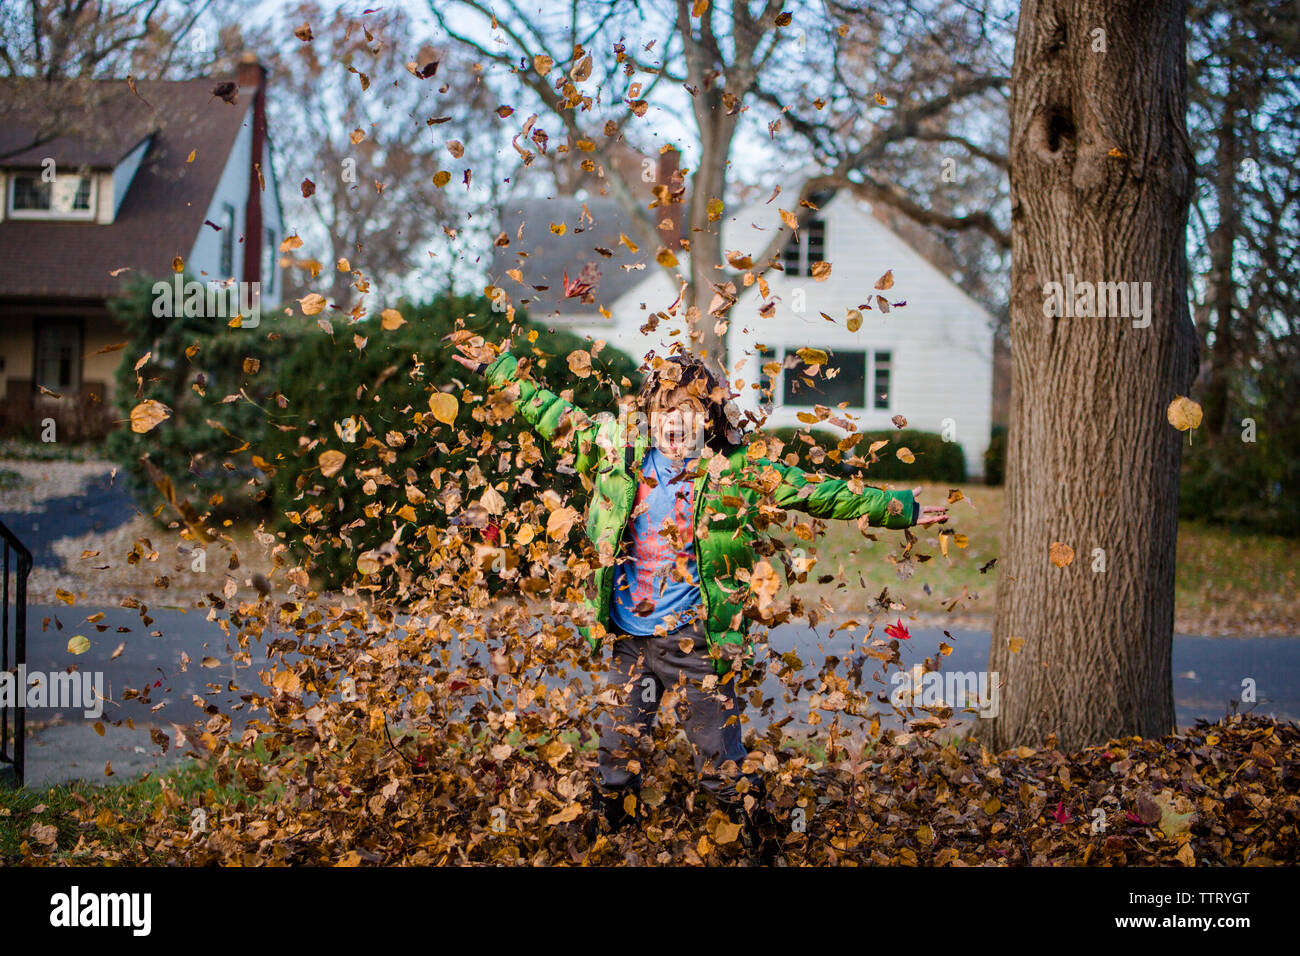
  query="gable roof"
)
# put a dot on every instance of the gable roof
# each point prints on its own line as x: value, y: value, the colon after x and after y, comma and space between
x: 549, y: 256
x: 163, y: 209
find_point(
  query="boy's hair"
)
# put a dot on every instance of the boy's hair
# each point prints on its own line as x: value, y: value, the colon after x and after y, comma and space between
x: 681, y: 378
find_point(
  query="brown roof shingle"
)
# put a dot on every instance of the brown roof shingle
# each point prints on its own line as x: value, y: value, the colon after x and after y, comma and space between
x: 164, y: 207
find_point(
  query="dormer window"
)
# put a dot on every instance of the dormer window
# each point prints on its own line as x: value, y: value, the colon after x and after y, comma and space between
x: 799, y: 257
x: 31, y: 196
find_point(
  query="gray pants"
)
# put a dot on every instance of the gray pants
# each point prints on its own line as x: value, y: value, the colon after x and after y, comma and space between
x: 641, y: 669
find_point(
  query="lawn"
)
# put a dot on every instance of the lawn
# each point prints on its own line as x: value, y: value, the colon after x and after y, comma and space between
x: 1228, y: 584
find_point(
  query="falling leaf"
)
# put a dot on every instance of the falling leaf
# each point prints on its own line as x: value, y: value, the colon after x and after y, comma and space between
x: 1014, y: 644
x: 391, y: 320
x: 898, y: 632
x: 1060, y: 554
x: 148, y: 415
x: 1184, y: 414
x: 905, y: 455
x: 331, y: 462
x: 77, y: 644
x: 303, y: 32
x: 312, y: 303
x: 444, y: 407
x: 580, y: 363
x: 886, y: 281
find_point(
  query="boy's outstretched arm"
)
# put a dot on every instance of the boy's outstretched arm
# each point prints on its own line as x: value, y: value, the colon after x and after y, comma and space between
x: 563, y: 425
x: 833, y: 498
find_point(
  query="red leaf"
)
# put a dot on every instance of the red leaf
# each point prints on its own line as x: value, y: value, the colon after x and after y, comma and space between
x: 898, y: 632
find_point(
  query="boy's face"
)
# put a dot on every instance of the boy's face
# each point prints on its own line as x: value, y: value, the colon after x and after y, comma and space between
x: 678, y: 429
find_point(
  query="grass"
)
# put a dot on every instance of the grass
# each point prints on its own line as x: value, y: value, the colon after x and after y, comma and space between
x: 1228, y: 583
x: 65, y: 807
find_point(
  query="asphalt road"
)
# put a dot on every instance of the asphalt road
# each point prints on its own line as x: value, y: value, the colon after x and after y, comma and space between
x: 1208, y: 674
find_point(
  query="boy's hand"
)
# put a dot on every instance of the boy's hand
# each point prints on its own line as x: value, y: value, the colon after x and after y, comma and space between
x: 467, y: 356
x: 930, y: 514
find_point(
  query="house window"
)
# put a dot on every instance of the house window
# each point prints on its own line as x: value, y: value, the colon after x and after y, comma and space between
x: 64, y: 197
x: 268, y: 262
x: 769, y: 385
x: 227, y: 241
x: 880, y: 386
x: 799, y: 256
x: 842, y: 379
x: 58, y: 354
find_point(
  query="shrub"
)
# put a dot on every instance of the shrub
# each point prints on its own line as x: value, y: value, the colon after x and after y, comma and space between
x: 405, y: 472
x: 995, y: 456
x: 935, y: 459
x: 219, y: 384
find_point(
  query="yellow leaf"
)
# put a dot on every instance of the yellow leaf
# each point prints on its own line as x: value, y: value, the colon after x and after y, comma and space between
x: 905, y: 456
x: 886, y: 281
x: 190, y: 157
x: 444, y: 407
x: 312, y: 303
x: 571, y: 812
x: 391, y: 319
x: 1184, y: 413
x: 441, y: 178
x: 148, y: 415
x: 1014, y: 644
x: 821, y: 271
x: 790, y: 219
x: 580, y: 363
x: 813, y: 356
x: 855, y: 320
x: 1060, y: 554
x: 77, y: 644
x: 287, y: 682
x: 666, y: 258
x: 726, y: 833
x: 67, y: 597
x: 331, y: 462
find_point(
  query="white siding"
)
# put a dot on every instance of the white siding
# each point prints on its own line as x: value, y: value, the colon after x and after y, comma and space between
x: 941, y: 342
x: 204, y: 260
x: 125, y: 171
x: 273, y: 219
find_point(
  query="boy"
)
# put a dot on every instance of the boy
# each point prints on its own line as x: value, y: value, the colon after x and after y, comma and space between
x: 672, y: 517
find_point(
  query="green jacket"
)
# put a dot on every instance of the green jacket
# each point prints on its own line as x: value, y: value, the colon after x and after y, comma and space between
x: 733, y: 501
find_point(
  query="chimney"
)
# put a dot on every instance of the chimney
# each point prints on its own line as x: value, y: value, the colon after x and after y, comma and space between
x: 670, y: 191
x: 251, y: 75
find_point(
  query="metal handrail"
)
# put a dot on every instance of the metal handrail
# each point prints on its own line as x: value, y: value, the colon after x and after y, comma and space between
x: 24, y: 568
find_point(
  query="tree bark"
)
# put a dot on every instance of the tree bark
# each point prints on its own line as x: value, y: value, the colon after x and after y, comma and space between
x: 1101, y: 176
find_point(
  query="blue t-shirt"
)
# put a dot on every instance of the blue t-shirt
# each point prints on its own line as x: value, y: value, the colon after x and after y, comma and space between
x: 660, y: 530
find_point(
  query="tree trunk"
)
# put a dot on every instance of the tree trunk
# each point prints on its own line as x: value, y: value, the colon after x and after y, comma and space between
x: 1101, y: 177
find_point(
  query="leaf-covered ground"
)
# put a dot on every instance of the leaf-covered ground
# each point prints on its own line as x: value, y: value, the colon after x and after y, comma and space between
x: 1221, y: 794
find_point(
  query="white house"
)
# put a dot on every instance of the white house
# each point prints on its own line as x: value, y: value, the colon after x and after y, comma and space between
x: 930, y: 360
